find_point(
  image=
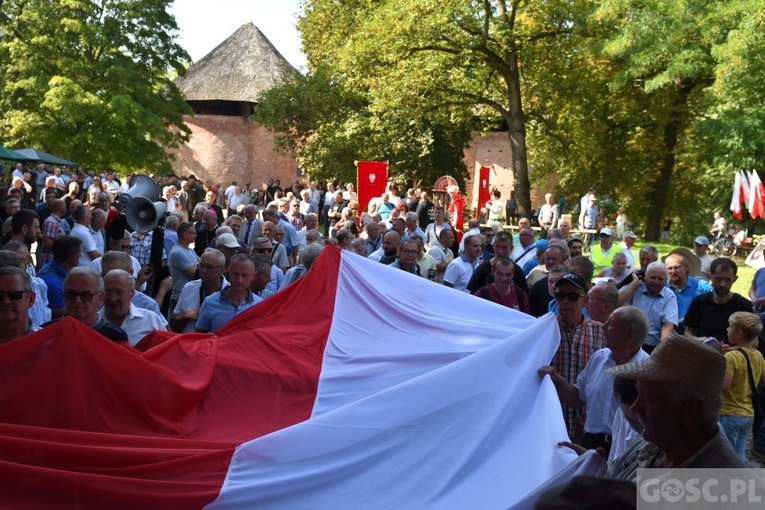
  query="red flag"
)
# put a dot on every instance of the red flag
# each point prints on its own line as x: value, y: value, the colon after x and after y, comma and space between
x: 483, y: 187
x: 372, y: 177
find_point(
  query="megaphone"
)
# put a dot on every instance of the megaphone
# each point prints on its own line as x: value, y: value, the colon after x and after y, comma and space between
x: 144, y: 215
x: 140, y: 186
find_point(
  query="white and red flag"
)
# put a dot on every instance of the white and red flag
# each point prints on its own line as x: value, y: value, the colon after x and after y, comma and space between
x: 359, y: 386
x: 740, y: 195
x: 756, y: 194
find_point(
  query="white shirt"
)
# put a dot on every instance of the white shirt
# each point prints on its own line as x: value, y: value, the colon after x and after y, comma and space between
x: 630, y: 257
x: 530, y: 252
x: 189, y: 300
x: 596, y: 389
x: 622, y: 435
x: 458, y: 273
x: 82, y: 233
x: 140, y: 323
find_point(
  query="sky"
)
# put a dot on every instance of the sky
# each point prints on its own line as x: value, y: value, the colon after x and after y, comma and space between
x: 206, y: 23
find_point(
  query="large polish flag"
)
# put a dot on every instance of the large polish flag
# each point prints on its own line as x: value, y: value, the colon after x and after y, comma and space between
x: 358, y: 386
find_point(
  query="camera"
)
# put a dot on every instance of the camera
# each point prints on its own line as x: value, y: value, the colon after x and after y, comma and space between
x: 640, y: 274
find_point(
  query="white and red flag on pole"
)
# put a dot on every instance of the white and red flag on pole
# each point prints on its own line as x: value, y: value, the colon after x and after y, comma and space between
x: 740, y: 195
x: 359, y: 386
x: 756, y: 194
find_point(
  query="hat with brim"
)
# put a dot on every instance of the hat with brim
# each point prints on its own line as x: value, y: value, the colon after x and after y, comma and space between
x: 693, y: 261
x: 682, y: 359
x: 630, y: 234
x: 701, y: 240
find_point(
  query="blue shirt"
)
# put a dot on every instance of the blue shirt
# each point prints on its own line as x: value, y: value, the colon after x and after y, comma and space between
x: 217, y: 310
x: 694, y: 287
x: 53, y: 275
x: 290, y: 236
x: 660, y: 308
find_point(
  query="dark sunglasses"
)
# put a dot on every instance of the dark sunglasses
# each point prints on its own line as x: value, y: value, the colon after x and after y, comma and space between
x: 13, y: 295
x: 604, y: 235
x: 571, y: 296
x: 85, y: 297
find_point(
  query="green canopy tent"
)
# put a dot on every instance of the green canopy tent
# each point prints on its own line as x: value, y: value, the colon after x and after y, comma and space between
x: 44, y: 157
x: 11, y: 155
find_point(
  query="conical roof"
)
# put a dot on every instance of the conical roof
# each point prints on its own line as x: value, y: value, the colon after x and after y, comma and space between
x: 240, y: 68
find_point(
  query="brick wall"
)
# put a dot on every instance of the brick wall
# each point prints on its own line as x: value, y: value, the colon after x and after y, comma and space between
x: 224, y: 149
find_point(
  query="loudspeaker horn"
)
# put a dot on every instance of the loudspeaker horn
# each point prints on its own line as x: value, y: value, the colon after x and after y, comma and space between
x: 144, y: 215
x: 140, y: 186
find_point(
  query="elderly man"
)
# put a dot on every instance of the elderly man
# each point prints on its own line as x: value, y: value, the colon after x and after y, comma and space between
x: 618, y: 270
x: 628, y: 241
x: 602, y: 254
x: 206, y: 231
x: 708, y: 313
x: 290, y: 234
x: 222, y: 306
x: 557, y: 253
x: 602, y: 300
x: 311, y: 223
x: 16, y: 298
x: 527, y: 249
x: 263, y: 271
x: 460, y: 270
x: 374, y: 239
x: 121, y: 260
x: 97, y: 224
x: 81, y: 230
x: 264, y: 248
x: 678, y: 405
x: 212, y: 265
x: 501, y: 290
x: 412, y: 225
x: 548, y: 213
x: 251, y: 227
x: 388, y: 252
x: 84, y: 296
x: 681, y: 264
x: 580, y: 338
x: 651, y: 295
x: 625, y: 332
x: 119, y: 287
x: 278, y: 252
x: 441, y: 252
x: 407, y: 258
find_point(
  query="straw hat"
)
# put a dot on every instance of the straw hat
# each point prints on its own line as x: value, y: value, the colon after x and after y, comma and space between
x: 679, y: 358
x: 693, y: 261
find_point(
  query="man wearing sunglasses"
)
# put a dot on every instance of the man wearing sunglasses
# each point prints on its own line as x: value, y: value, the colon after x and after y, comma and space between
x: 579, y: 339
x: 16, y: 298
x: 83, y: 297
x: 602, y: 254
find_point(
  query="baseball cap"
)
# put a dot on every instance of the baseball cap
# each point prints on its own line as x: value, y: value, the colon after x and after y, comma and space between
x: 630, y: 234
x: 227, y: 240
x: 701, y: 240
x: 606, y: 231
x: 573, y: 279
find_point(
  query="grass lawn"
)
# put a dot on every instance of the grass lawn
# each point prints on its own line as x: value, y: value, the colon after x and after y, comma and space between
x: 745, y: 273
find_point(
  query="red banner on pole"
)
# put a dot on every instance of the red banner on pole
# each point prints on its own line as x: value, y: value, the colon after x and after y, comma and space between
x: 372, y: 177
x: 483, y: 188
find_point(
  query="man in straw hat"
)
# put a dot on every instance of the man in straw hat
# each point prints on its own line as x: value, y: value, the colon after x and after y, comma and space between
x: 681, y: 264
x: 678, y: 406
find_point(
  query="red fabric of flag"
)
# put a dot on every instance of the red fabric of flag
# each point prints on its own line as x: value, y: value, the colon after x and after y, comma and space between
x: 372, y: 177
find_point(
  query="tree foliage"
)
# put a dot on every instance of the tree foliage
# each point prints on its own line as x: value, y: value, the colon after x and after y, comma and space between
x: 88, y: 79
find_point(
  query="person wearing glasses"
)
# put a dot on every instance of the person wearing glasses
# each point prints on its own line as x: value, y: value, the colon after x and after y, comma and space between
x: 16, y: 298
x: 580, y: 337
x: 212, y: 266
x: 407, y: 258
x: 83, y: 298
x: 602, y: 254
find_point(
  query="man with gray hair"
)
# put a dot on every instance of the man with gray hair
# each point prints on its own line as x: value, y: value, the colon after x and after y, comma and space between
x: 119, y: 287
x: 16, y: 254
x: 374, y: 239
x: 97, y: 224
x: 659, y: 303
x: 625, y: 332
x: 121, y: 260
x: 412, y: 225
x: 81, y: 231
x: 212, y: 266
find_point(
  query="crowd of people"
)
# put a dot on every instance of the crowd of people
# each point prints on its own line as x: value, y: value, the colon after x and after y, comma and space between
x: 226, y: 249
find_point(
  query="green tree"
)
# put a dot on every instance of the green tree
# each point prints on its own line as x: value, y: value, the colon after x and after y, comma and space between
x: 88, y: 79
x: 424, y: 55
x: 328, y: 125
